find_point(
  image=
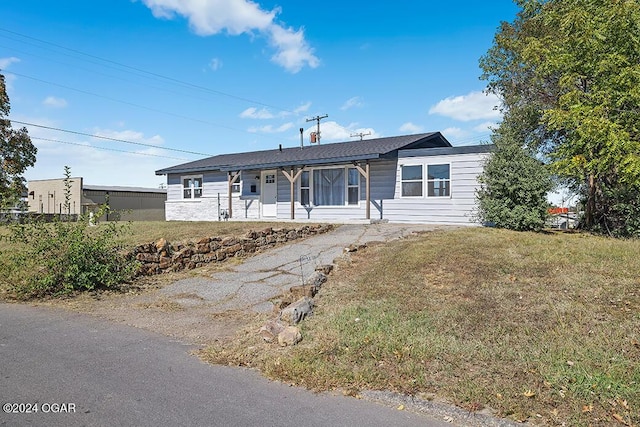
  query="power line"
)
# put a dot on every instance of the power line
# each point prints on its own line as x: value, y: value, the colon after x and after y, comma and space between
x: 105, y: 148
x: 130, y: 103
x: 163, y: 89
x: 150, y: 73
x: 468, y: 140
x: 108, y: 138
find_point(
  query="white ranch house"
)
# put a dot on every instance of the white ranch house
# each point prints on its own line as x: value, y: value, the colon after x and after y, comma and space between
x: 413, y: 178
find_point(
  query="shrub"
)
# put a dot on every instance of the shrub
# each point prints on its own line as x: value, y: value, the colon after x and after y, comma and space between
x: 65, y: 256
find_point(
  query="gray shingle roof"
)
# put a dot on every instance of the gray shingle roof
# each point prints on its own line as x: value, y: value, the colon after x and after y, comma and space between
x: 367, y: 149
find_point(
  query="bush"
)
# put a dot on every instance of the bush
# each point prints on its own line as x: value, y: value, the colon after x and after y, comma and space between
x: 514, y: 187
x: 66, y: 256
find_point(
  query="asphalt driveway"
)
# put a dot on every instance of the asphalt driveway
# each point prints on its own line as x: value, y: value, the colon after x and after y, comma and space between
x: 264, y: 276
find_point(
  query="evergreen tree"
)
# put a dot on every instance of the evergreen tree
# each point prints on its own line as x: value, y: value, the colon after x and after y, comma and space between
x: 514, y: 186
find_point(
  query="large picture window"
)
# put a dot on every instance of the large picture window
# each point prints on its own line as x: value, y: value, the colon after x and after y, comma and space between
x: 191, y: 187
x: 438, y: 181
x: 329, y: 187
x: 411, y: 185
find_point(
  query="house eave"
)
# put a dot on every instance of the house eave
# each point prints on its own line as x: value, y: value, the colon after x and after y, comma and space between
x: 272, y: 165
x: 277, y: 165
x: 444, y: 151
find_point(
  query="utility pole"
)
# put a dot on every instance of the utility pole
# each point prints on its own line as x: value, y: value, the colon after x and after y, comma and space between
x: 360, y: 135
x: 317, y: 119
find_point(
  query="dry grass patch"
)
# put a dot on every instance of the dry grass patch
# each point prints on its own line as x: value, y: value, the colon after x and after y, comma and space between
x: 180, y: 231
x: 539, y: 327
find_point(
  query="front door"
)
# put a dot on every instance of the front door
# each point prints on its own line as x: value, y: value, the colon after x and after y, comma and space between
x: 269, y: 193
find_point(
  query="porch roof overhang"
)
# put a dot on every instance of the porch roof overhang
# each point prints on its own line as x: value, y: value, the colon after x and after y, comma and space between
x: 278, y: 165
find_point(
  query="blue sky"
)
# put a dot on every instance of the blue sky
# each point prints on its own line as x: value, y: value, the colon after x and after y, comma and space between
x: 170, y: 81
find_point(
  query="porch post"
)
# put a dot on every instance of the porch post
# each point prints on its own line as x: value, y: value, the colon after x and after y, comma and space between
x: 233, y: 177
x: 365, y: 173
x: 292, y: 179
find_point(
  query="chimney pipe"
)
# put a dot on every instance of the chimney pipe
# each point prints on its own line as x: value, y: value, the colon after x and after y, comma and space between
x: 301, y: 138
x: 280, y: 147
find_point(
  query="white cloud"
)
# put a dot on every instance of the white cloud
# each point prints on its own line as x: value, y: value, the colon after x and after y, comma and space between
x: 241, y: 17
x: 270, y: 129
x: 6, y: 62
x: 485, y: 127
x: 215, y: 64
x: 130, y: 135
x: 303, y: 108
x: 352, y: 103
x: 459, y: 137
x: 473, y: 106
x: 265, y: 114
x: 411, y: 128
x: 292, y: 50
x: 52, y: 101
x: 92, y: 159
x: 254, y: 113
x: 454, y: 133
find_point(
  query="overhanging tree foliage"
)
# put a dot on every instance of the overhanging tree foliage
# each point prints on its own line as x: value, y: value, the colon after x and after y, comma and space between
x: 568, y: 73
x: 17, y: 153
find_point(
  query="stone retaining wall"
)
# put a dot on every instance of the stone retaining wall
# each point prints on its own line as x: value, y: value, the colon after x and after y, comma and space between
x: 162, y: 256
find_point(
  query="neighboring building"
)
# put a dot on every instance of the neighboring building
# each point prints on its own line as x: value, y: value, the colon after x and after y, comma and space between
x: 413, y: 178
x: 125, y: 203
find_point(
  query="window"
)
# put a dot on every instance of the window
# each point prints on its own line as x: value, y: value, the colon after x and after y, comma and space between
x: 191, y: 187
x: 304, y: 188
x: 411, y: 185
x: 235, y: 188
x: 438, y: 181
x: 329, y: 187
x: 353, y: 186
x: 270, y: 179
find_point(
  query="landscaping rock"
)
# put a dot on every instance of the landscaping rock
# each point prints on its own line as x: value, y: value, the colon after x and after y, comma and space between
x: 163, y: 256
x: 297, y: 311
x: 316, y: 280
x: 300, y: 291
x: 270, y: 331
x: 289, y: 336
x: 325, y: 268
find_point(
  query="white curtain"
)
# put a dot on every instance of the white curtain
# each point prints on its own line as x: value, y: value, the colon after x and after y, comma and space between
x: 328, y: 187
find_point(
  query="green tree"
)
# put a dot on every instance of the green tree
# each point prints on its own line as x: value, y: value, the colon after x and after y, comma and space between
x: 514, y: 185
x: 568, y: 73
x: 17, y: 153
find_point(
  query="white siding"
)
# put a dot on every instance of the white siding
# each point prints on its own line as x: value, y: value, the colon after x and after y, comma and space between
x: 214, y: 200
x: 386, y: 202
x: 456, y: 209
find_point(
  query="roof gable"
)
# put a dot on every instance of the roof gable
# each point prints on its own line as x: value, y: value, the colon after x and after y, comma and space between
x: 315, y: 154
